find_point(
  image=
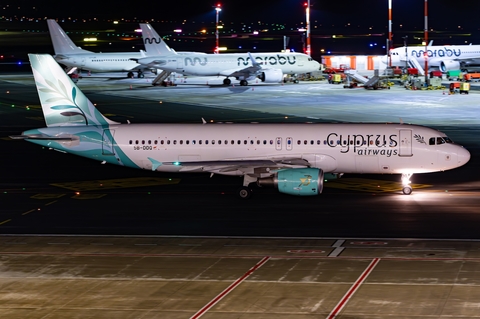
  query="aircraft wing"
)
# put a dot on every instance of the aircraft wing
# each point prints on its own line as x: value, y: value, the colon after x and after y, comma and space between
x: 259, y: 167
x: 244, y: 73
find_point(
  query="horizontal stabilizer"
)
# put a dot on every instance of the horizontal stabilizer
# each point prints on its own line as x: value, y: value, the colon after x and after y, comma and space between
x: 41, y: 137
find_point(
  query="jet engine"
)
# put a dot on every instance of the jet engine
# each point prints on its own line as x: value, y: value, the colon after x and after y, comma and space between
x: 271, y: 76
x: 449, y: 65
x: 296, y: 181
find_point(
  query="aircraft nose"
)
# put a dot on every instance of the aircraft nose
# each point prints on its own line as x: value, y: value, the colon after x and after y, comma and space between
x: 463, y: 156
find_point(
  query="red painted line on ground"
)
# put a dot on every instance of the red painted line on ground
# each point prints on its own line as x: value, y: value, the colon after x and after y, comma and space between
x: 212, y: 303
x: 353, y: 289
x: 296, y: 256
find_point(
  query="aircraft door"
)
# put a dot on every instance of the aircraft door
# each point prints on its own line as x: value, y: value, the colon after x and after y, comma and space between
x: 82, y: 62
x: 278, y: 143
x: 405, y: 143
x: 179, y: 64
x: 107, y: 144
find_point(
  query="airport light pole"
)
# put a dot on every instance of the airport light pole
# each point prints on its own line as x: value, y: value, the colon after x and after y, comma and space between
x: 389, y: 33
x: 426, y: 42
x: 218, y: 8
x: 405, y: 38
x: 307, y: 13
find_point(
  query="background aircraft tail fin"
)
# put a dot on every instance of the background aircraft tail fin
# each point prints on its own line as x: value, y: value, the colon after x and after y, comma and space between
x: 63, y: 103
x: 154, y: 44
x: 60, y: 40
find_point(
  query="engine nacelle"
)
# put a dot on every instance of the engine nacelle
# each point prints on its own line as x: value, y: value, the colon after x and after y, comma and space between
x: 271, y: 76
x: 296, y: 181
x: 449, y: 65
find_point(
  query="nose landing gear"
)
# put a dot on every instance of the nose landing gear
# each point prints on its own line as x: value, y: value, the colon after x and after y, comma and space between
x: 407, y: 188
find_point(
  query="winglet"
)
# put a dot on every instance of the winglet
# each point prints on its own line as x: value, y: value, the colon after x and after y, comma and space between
x: 155, y: 163
x: 254, y: 62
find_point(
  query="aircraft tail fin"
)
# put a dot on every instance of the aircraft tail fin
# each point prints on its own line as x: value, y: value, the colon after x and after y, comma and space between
x: 154, y: 44
x: 62, y: 44
x: 63, y: 103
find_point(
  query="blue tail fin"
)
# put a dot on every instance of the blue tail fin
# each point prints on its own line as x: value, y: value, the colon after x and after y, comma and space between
x: 63, y: 103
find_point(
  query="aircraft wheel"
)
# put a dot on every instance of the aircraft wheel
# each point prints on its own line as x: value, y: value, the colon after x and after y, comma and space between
x: 130, y: 75
x: 407, y: 190
x: 295, y: 81
x: 244, y: 192
x: 227, y: 81
x: 243, y: 83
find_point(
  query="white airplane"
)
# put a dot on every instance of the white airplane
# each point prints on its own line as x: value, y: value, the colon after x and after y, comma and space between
x: 444, y: 58
x: 68, y: 54
x: 291, y: 157
x: 268, y: 67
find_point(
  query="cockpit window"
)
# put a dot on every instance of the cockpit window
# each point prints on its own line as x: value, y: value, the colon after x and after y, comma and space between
x: 439, y: 140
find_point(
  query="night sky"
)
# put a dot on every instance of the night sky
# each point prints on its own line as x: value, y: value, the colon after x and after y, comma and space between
x: 443, y: 14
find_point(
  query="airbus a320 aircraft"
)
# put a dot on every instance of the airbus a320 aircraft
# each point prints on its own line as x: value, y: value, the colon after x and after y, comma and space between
x: 268, y: 67
x: 291, y: 157
x: 68, y: 54
x: 444, y: 58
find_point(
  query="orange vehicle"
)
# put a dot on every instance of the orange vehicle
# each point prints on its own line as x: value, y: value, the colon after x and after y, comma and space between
x: 471, y: 77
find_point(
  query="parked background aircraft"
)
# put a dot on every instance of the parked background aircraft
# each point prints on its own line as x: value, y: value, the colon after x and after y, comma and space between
x: 72, y: 56
x: 268, y: 67
x: 291, y: 157
x: 444, y: 58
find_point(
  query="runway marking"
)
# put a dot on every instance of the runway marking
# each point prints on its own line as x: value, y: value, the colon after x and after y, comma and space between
x: 370, y: 185
x: 29, y: 211
x: 117, y: 183
x: 353, y: 289
x: 88, y: 196
x: 5, y: 221
x: 46, y: 196
x: 237, y: 282
x: 338, y: 248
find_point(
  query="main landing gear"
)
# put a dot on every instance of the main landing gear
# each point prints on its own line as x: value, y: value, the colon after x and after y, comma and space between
x: 227, y: 81
x: 407, y: 188
x: 245, y: 192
